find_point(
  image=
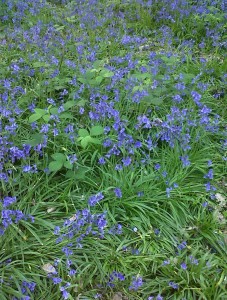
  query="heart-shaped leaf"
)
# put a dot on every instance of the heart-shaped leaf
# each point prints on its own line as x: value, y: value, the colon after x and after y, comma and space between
x: 96, y: 130
x: 83, y: 133
x: 55, y: 166
x: 59, y: 157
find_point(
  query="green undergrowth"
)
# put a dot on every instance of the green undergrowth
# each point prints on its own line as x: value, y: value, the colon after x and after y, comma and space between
x: 119, y: 105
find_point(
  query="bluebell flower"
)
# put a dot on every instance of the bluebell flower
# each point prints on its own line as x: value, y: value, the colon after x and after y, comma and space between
x: 185, y: 160
x: 56, y: 280
x: 183, y: 266
x: 196, y: 97
x: 174, y: 285
x: 137, y: 282
x: 193, y: 260
x: 7, y: 201
x: 93, y: 200
x: 101, y: 160
x: 126, y: 161
x: 118, y: 192
x: 182, y: 246
x: 166, y: 262
x: 116, y: 229
x: 157, y: 166
x: 210, y: 174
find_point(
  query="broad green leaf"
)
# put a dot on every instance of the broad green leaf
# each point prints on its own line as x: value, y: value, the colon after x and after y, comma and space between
x: 68, y: 165
x: 83, y: 133
x: 34, y: 117
x: 98, y: 63
x: 69, y: 104
x: 70, y: 174
x: 169, y: 60
x: 82, y: 80
x: 89, y: 74
x: 66, y: 115
x: 40, y: 111
x: 141, y: 75
x: 85, y: 141
x: 95, y: 141
x: 78, y: 174
x: 55, y: 166
x: 92, y: 82
x: 96, y: 130
x: 82, y: 102
x: 35, y: 139
x: 59, y: 87
x: 46, y: 118
x: 137, y: 88
x: 152, y: 100
x: 99, y: 79
x: 71, y: 19
x: 188, y: 77
x: 59, y: 157
x: 39, y: 64
x: 54, y: 111
x: 106, y: 73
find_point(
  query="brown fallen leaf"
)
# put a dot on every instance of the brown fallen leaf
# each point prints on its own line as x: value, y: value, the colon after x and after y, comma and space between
x: 48, y: 268
x: 117, y: 296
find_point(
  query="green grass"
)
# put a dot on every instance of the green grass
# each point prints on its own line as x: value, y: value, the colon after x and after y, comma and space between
x: 162, y: 207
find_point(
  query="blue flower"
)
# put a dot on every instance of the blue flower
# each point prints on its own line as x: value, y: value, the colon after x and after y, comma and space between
x: 185, y: 160
x: 93, y: 200
x: 126, y: 161
x: 174, y: 285
x: 183, y: 266
x: 136, y: 283
x: 118, y: 192
x: 7, y: 201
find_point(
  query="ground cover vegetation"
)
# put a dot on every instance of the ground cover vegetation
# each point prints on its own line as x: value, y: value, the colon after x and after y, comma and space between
x: 113, y: 149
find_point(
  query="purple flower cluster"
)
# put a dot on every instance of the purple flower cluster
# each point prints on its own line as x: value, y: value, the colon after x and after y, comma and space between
x: 114, y: 278
x: 136, y: 283
x: 208, y: 185
x: 74, y: 231
x: 93, y: 200
x: 82, y: 224
x: 26, y: 287
x: 9, y: 216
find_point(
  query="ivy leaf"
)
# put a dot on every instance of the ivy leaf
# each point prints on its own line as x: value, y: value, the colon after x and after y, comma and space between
x: 55, y: 166
x: 66, y: 115
x: 69, y: 104
x: 96, y: 130
x: 48, y: 268
x: 68, y: 165
x: 95, y: 141
x: 80, y: 173
x: 106, y: 73
x: 40, y: 111
x: 152, y: 100
x: 99, y: 79
x: 83, y: 133
x: 34, y: 117
x: 54, y: 111
x: 59, y: 156
x: 36, y: 139
x: 46, y: 118
x: 85, y: 141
